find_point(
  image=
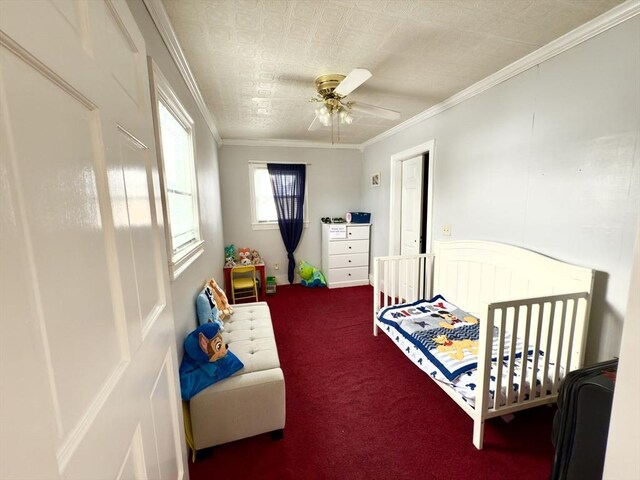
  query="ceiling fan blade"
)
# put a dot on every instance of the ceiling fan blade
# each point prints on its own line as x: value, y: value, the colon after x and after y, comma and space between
x: 373, y: 110
x: 315, y: 125
x: 352, y: 81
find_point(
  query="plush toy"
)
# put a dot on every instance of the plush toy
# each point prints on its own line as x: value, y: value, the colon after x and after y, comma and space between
x: 311, y: 276
x: 207, y: 308
x: 255, y: 257
x: 245, y: 256
x: 206, y: 360
x: 224, y: 309
x: 229, y: 256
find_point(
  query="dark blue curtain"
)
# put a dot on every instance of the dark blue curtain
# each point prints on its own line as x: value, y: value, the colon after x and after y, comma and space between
x: 287, y: 183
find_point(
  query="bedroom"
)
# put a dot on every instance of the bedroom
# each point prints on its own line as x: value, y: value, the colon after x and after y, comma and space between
x: 599, y: 161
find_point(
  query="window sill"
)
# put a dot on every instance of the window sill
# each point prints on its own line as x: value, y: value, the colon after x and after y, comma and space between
x: 271, y: 226
x: 181, y: 262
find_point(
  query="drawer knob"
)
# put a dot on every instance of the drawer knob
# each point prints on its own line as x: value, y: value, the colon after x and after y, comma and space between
x: 349, y: 274
x: 349, y: 261
x: 349, y: 248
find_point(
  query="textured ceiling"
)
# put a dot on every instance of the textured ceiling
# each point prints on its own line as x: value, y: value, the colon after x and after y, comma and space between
x: 255, y: 60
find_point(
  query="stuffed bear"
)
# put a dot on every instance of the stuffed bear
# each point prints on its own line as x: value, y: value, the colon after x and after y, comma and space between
x: 245, y: 256
x: 224, y: 309
x: 311, y: 276
x: 255, y: 257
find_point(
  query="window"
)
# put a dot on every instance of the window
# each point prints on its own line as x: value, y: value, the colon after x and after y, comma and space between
x: 263, y: 208
x: 174, y: 130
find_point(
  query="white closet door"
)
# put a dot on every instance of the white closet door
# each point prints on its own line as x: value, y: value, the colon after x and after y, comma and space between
x: 88, y: 368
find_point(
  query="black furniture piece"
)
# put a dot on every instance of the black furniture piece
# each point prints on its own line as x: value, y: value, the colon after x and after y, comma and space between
x: 581, y: 424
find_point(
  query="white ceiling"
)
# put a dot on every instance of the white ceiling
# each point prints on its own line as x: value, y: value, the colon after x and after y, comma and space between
x: 255, y: 60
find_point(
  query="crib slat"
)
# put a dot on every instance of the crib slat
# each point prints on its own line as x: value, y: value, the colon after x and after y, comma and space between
x: 512, y: 354
x: 525, y: 355
x: 574, y: 313
x: 547, y: 352
x: 556, y: 376
x: 499, y: 354
x: 536, y: 350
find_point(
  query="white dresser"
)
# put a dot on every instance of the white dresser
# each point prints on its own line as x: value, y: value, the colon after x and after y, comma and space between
x: 345, y: 254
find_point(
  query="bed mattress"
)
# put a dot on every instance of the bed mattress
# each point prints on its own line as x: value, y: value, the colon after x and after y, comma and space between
x: 465, y: 384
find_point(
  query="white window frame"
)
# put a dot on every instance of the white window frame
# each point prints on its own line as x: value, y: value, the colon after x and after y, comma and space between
x: 161, y: 91
x: 255, y: 224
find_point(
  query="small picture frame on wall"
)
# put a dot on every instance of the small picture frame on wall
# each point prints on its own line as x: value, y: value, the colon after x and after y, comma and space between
x: 375, y: 179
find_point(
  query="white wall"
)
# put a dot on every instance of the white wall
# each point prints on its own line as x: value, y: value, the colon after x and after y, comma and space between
x: 548, y: 160
x: 186, y: 287
x: 333, y: 180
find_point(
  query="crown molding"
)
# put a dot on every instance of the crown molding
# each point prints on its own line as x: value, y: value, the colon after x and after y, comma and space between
x: 168, y: 34
x: 290, y: 143
x: 600, y: 24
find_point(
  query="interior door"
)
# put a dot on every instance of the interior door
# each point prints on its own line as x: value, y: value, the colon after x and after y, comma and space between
x: 411, y: 206
x: 411, y: 224
x: 88, y: 367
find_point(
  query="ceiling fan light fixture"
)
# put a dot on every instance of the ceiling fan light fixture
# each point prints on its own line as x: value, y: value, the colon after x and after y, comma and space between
x: 345, y: 116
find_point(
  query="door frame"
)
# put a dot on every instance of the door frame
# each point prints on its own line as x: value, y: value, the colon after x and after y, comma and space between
x: 395, y: 217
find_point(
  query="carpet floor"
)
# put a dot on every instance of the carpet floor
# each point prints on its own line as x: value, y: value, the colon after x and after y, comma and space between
x: 357, y: 408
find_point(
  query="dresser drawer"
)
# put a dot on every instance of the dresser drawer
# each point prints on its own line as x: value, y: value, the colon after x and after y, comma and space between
x: 353, y: 274
x: 349, y: 260
x: 358, y: 233
x: 348, y: 246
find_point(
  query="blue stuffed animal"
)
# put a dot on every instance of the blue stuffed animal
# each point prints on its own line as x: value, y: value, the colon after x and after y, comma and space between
x: 206, y: 360
x: 311, y: 276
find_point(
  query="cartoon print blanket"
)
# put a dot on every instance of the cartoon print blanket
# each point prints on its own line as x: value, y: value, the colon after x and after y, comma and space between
x: 445, y: 334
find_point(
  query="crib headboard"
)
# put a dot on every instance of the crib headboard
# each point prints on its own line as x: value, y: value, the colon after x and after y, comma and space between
x: 503, y: 272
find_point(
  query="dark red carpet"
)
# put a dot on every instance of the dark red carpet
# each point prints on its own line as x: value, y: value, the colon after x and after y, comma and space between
x: 357, y: 408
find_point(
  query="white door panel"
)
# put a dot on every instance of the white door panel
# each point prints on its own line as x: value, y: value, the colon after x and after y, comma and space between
x: 89, y: 368
x: 411, y: 220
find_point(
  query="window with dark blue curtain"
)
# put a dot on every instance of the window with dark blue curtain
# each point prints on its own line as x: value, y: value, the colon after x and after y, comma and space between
x: 287, y: 182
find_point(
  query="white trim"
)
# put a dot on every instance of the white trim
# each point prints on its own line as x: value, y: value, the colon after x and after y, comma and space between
x: 163, y: 24
x: 188, y: 256
x: 395, y: 196
x: 162, y: 91
x: 289, y: 143
x: 575, y: 37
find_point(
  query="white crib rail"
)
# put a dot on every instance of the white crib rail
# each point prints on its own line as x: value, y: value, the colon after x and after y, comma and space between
x: 549, y: 325
x: 400, y: 279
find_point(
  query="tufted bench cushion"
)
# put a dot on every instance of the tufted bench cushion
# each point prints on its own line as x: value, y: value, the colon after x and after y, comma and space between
x: 249, y: 334
x: 252, y: 401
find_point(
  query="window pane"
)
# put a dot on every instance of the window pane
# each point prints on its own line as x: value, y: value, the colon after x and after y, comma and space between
x: 265, y: 206
x: 175, y: 151
x: 178, y: 166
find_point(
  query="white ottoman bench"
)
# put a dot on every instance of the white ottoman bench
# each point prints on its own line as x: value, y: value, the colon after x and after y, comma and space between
x: 252, y: 401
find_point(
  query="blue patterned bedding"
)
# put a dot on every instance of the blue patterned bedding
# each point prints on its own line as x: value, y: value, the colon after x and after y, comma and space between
x: 446, y: 335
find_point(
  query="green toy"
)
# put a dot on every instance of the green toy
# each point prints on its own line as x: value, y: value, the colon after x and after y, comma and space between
x: 311, y: 276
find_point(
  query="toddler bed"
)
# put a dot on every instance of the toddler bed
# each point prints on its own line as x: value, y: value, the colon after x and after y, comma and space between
x: 496, y: 326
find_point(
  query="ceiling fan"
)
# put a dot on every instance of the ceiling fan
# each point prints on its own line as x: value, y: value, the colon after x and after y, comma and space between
x: 334, y: 109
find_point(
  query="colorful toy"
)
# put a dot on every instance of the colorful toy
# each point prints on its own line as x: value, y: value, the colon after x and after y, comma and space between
x: 229, y: 256
x: 255, y: 257
x: 245, y: 256
x: 311, y: 276
x: 206, y: 360
x: 224, y: 309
